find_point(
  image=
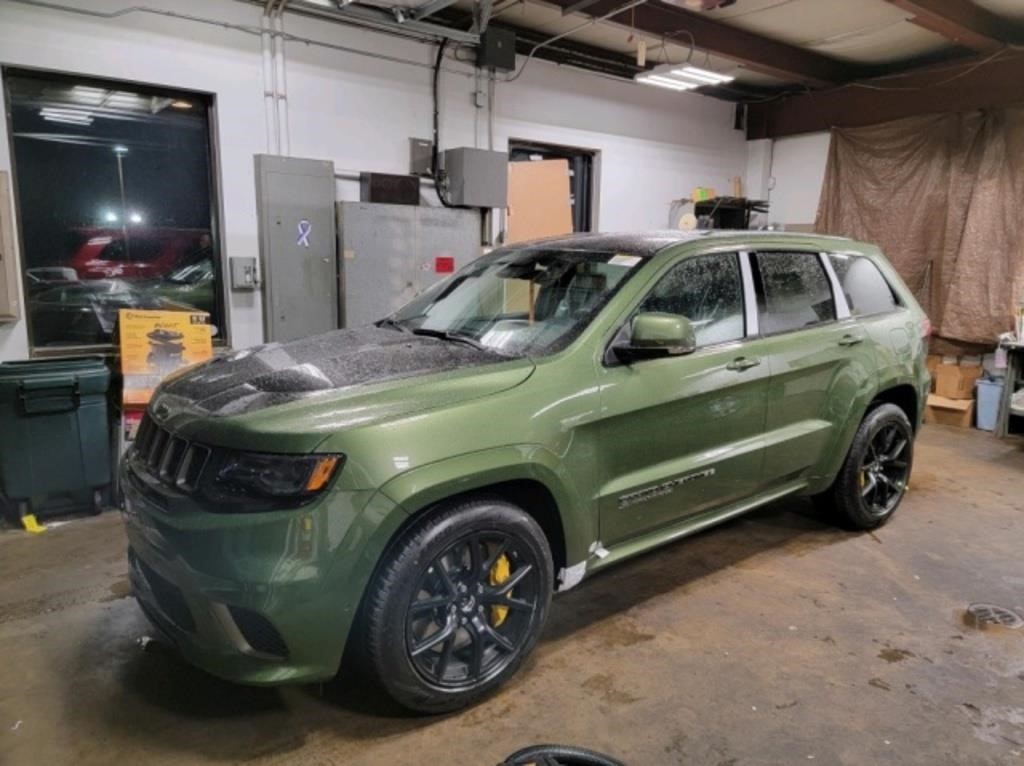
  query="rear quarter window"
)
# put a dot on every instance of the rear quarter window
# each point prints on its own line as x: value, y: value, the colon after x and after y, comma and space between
x: 867, y: 291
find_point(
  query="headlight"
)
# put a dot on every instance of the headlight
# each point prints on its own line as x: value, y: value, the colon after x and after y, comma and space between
x: 253, y: 481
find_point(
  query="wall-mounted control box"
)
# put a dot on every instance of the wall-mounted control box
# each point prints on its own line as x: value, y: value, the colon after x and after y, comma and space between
x: 476, y: 177
x: 244, y: 274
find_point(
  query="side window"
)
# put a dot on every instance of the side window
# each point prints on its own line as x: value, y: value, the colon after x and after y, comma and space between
x: 707, y: 290
x: 865, y: 288
x: 794, y: 292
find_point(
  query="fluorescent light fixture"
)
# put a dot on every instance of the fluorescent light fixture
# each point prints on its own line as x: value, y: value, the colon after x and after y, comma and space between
x: 703, y: 75
x: 88, y: 94
x: 181, y: 104
x: 69, y: 120
x: 665, y: 82
x: 124, y: 97
x: 67, y: 116
x: 681, y: 78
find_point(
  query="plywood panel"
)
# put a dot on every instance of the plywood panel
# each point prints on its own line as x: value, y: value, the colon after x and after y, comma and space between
x: 538, y: 200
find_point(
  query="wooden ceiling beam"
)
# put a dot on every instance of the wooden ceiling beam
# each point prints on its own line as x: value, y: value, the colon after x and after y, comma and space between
x: 754, y: 52
x: 983, y: 82
x: 962, y: 22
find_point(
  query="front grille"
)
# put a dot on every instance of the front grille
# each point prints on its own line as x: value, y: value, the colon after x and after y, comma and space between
x: 167, y: 595
x: 171, y: 459
x: 258, y: 632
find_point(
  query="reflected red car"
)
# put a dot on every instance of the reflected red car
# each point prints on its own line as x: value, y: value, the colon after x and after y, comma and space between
x: 148, y: 252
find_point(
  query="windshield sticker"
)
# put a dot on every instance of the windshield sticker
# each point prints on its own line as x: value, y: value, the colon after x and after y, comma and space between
x: 629, y: 261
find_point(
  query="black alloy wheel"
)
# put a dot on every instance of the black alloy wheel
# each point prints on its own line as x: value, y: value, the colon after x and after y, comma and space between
x: 874, y: 477
x: 472, y: 610
x: 457, y: 604
x: 885, y: 469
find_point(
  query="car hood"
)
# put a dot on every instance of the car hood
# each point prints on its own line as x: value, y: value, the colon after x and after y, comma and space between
x: 326, y: 382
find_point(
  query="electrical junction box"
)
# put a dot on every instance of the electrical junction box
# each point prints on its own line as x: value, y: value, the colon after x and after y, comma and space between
x: 392, y: 253
x: 421, y: 156
x: 389, y: 189
x: 476, y: 177
x: 497, y: 49
x: 244, y: 275
x: 295, y: 206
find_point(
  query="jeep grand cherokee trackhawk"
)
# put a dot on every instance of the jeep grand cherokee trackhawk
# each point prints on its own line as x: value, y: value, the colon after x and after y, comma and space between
x: 416, y: 490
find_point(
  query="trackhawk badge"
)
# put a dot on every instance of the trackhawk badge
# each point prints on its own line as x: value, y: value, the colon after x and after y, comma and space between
x: 660, y: 490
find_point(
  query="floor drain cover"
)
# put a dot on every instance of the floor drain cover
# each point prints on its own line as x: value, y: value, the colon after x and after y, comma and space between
x: 992, y: 614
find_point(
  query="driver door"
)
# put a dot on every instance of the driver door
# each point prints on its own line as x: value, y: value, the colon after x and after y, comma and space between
x: 684, y: 434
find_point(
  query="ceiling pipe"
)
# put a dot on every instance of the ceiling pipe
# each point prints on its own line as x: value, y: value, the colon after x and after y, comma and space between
x: 281, y: 81
x: 584, y: 25
x: 270, y: 115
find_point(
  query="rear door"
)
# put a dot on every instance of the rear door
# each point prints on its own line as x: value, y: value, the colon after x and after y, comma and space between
x: 821, y: 362
x: 681, y: 435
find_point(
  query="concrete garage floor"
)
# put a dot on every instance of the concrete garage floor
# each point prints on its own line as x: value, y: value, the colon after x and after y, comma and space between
x: 774, y: 640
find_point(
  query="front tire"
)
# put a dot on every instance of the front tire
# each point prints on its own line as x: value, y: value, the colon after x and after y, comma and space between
x: 874, y: 476
x: 457, y: 605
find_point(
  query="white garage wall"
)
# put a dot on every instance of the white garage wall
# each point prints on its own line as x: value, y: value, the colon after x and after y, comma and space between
x: 359, y: 112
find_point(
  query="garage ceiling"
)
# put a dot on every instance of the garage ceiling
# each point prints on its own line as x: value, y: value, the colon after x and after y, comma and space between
x: 772, y: 49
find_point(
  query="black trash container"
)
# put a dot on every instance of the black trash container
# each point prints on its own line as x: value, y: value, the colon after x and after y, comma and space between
x: 53, y: 431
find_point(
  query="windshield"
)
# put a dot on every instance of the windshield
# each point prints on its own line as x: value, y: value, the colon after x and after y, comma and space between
x: 192, y: 273
x: 526, y: 302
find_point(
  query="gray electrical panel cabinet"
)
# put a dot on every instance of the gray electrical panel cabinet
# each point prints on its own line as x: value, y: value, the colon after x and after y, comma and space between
x: 476, y: 177
x: 9, y: 308
x: 297, y: 246
x: 391, y: 253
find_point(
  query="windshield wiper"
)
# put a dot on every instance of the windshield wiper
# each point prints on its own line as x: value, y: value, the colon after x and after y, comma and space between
x: 394, y: 323
x: 456, y: 337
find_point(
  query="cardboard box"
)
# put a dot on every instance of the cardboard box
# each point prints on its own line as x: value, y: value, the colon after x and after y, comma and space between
x: 934, y: 360
x: 954, y: 381
x: 949, y: 412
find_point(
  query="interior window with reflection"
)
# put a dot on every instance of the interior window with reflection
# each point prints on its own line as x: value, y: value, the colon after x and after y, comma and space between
x: 795, y: 292
x: 865, y: 288
x: 115, y: 204
x: 707, y: 290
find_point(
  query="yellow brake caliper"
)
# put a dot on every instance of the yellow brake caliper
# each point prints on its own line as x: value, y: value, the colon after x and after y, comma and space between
x: 500, y: 572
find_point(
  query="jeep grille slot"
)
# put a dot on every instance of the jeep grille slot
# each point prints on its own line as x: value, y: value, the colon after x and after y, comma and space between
x: 173, y: 460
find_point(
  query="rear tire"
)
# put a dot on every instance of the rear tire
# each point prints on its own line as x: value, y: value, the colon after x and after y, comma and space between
x: 874, y: 476
x: 442, y: 625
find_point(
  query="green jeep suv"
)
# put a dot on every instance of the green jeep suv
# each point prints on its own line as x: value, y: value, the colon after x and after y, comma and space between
x: 412, y: 493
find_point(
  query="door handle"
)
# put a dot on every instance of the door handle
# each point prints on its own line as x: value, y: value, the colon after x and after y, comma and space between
x: 743, y: 363
x: 851, y: 340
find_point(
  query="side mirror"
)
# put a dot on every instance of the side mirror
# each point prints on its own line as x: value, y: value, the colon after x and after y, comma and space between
x: 654, y: 335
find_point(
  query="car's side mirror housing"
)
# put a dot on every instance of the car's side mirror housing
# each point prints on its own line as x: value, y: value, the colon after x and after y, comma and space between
x: 653, y: 335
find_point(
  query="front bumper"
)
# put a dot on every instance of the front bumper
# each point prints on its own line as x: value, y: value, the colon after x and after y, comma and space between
x: 264, y: 598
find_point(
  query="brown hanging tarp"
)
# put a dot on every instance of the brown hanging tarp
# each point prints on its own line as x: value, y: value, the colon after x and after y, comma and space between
x: 943, y: 196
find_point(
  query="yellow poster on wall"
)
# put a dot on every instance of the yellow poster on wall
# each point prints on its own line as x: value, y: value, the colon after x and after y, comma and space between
x: 156, y: 343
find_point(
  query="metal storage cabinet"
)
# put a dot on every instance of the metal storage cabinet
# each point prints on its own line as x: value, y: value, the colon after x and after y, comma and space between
x: 391, y: 253
x: 53, y: 430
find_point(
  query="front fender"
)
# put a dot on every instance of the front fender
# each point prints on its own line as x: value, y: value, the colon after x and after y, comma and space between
x: 426, y: 485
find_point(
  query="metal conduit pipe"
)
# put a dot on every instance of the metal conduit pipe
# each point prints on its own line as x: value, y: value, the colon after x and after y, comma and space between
x: 269, y: 89
x: 244, y: 28
x: 556, y: 38
x: 281, y: 83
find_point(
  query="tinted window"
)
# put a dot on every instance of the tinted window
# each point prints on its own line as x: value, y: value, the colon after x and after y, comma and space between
x: 865, y: 288
x: 114, y: 186
x: 794, y: 292
x: 707, y: 290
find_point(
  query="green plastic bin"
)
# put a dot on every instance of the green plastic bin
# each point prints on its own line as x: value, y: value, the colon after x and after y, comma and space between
x: 54, y: 437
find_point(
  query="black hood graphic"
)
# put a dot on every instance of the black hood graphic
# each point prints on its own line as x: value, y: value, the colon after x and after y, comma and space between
x: 277, y: 373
